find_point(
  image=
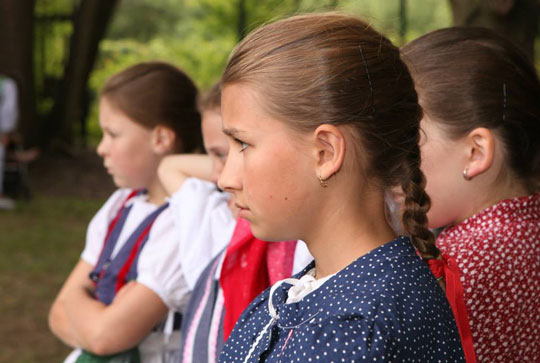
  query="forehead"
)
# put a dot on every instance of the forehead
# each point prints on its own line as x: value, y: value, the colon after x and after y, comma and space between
x: 111, y: 117
x: 242, y: 112
x: 212, y: 128
x: 108, y: 113
x: 211, y: 120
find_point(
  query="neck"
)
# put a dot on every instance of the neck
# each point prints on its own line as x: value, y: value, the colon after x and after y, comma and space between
x: 484, y: 195
x: 354, y: 226
x: 156, y: 192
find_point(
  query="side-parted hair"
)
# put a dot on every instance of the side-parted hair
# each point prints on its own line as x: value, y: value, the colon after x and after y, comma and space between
x: 333, y: 68
x: 158, y: 93
x: 470, y: 77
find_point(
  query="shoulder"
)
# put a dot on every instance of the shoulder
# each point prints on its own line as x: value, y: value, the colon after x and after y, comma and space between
x: 109, y: 209
x: 98, y: 226
x: 115, y: 201
x: 395, y: 295
x: 194, y: 189
x: 200, y: 211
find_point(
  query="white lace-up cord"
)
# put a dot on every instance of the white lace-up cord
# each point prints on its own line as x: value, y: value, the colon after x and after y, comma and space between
x: 273, y: 315
x: 303, y: 287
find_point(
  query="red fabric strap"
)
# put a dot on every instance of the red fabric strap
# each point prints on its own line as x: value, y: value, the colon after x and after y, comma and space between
x: 280, y: 260
x: 449, y: 270
x: 249, y: 267
x: 115, y: 220
x: 121, y: 279
x: 113, y: 224
x: 243, y: 274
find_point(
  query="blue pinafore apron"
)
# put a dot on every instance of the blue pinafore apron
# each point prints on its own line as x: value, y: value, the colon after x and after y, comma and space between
x: 111, y: 274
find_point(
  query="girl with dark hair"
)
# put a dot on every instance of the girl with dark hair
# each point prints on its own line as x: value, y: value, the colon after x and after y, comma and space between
x: 481, y: 157
x: 323, y: 119
x: 121, y: 301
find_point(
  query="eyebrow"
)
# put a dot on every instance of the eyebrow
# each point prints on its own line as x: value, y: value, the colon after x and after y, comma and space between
x: 216, y: 149
x: 232, y: 132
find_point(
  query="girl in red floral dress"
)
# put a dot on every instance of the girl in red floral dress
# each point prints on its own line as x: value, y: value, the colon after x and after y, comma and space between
x: 481, y: 158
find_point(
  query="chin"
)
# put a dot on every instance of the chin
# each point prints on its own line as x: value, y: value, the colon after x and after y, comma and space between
x: 120, y: 183
x: 260, y: 234
x: 266, y: 235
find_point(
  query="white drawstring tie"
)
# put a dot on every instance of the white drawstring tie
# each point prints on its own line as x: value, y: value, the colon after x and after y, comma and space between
x: 299, y: 289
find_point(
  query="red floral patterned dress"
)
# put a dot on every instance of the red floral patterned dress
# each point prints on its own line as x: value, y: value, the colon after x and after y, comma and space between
x: 498, y: 253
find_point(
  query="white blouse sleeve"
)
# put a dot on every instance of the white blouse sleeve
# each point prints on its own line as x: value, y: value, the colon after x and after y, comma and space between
x: 97, y: 229
x: 203, y: 224
x: 159, y: 267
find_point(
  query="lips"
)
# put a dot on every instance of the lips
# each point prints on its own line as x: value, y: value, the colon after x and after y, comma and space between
x: 108, y: 168
x: 243, y: 212
x: 241, y: 207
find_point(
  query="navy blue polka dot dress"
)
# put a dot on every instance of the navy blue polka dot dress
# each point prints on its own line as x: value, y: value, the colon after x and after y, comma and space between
x: 384, y: 307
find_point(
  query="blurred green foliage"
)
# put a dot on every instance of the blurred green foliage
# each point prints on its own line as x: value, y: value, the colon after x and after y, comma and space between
x: 198, y: 35
x: 53, y: 28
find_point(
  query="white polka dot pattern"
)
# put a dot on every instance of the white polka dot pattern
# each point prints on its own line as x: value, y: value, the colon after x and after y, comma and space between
x: 384, y: 307
x: 498, y: 253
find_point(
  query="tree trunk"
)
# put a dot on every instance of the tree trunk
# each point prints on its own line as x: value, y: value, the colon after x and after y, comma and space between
x: 402, y: 20
x: 242, y: 19
x: 514, y: 19
x: 71, y: 99
x: 16, y: 50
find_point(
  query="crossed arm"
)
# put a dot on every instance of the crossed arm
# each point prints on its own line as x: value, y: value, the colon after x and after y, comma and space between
x: 79, y: 320
x: 175, y: 169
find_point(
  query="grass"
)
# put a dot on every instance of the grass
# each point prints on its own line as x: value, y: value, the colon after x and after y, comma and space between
x: 40, y: 242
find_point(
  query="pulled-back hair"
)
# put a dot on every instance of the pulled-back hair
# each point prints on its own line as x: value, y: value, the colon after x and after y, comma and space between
x: 157, y: 93
x: 335, y: 69
x: 471, y: 77
x: 212, y: 99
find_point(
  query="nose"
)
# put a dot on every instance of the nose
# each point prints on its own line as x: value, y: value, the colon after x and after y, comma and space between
x: 230, y: 179
x: 101, y: 148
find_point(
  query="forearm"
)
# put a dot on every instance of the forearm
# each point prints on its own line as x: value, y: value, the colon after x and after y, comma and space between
x: 108, y: 329
x: 59, y: 324
x: 86, y: 319
x: 58, y: 319
x: 175, y: 169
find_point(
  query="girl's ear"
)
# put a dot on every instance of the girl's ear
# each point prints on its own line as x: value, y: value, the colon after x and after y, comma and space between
x: 481, y: 150
x: 330, y: 149
x: 163, y: 139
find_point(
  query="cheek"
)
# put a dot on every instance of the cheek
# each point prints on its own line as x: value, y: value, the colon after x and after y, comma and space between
x: 432, y: 166
x: 273, y: 182
x: 443, y: 180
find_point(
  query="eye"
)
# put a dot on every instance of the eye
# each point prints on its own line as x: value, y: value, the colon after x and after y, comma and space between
x: 111, y: 134
x: 219, y: 155
x: 243, y: 145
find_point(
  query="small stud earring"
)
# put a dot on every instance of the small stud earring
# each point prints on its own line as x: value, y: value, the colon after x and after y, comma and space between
x: 324, y: 182
x: 465, y: 176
